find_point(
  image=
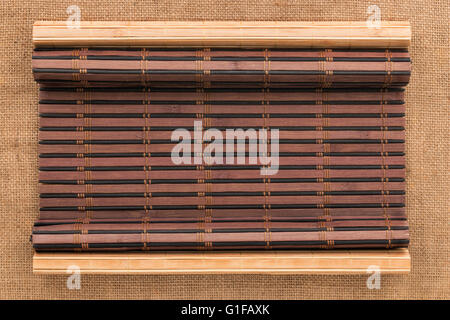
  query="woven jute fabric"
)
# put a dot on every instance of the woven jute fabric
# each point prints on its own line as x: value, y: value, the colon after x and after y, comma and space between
x: 427, y: 155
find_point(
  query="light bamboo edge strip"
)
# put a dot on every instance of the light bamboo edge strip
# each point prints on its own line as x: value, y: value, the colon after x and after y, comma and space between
x: 395, y: 261
x: 249, y: 34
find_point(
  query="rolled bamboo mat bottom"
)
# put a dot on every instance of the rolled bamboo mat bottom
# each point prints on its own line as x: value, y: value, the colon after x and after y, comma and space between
x: 394, y: 261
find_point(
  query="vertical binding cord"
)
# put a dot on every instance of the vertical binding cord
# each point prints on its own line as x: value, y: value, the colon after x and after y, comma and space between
x: 207, y: 57
x: 327, y: 81
x: 76, y: 234
x: 146, y: 67
x: 146, y: 140
x: 147, y: 154
x: 85, y: 100
x: 385, y: 203
x: 204, y: 65
x: 84, y: 232
x: 207, y: 218
x: 201, y: 244
x: 266, y: 66
x: 80, y: 232
x: 76, y: 65
x: 326, y: 74
x: 321, y: 100
x: 389, y: 68
x: 145, y: 234
x: 147, y: 169
x: 199, y: 67
x: 143, y: 65
x: 322, y: 75
x: 88, y: 149
x: 203, y: 199
x: 82, y: 55
x: 326, y: 164
x: 267, y: 214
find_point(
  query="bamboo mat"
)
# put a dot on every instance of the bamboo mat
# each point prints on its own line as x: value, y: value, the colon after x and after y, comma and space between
x: 427, y: 149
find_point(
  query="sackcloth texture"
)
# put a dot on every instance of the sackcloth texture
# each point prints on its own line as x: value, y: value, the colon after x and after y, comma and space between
x: 427, y: 149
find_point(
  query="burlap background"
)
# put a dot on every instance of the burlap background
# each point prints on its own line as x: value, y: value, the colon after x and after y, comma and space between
x: 427, y: 147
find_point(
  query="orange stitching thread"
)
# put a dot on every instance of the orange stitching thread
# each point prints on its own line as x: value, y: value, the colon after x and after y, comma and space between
x: 389, y: 68
x: 143, y: 66
x: 383, y: 155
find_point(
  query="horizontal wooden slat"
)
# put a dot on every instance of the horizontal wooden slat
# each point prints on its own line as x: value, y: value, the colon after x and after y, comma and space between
x: 261, y: 262
x: 222, y: 34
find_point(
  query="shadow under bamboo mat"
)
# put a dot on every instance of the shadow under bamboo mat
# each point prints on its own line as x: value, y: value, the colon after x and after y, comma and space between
x: 427, y: 160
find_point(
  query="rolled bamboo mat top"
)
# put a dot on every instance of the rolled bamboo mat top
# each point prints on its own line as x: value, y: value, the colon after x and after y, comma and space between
x: 222, y: 67
x: 357, y: 34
